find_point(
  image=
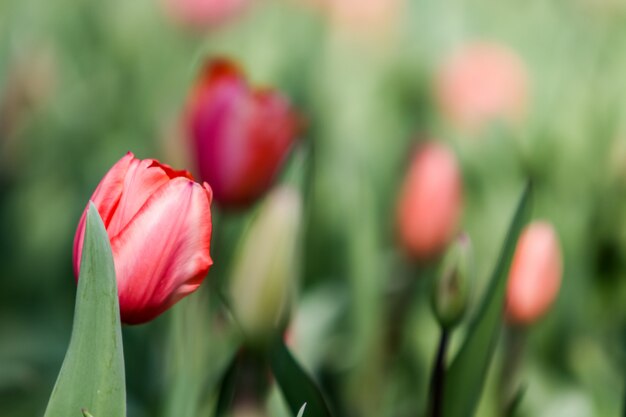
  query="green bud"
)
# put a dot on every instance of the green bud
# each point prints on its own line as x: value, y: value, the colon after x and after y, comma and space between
x: 263, y: 278
x: 451, y: 288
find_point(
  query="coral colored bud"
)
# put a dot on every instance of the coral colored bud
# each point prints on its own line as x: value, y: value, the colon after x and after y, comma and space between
x: 159, y: 224
x: 430, y: 202
x: 452, y: 286
x: 482, y: 83
x: 240, y: 136
x: 535, y: 276
x: 263, y: 278
x: 203, y: 14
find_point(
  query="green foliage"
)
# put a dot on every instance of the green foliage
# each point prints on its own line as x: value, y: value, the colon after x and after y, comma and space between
x: 296, y: 385
x: 91, y: 379
x: 466, y: 375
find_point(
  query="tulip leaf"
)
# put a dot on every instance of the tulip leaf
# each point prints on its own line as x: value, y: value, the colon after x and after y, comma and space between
x: 296, y: 385
x: 227, y: 387
x: 467, y: 372
x: 513, y: 406
x: 92, y: 374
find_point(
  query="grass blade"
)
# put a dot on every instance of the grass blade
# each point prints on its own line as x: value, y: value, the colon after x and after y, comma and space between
x: 467, y: 373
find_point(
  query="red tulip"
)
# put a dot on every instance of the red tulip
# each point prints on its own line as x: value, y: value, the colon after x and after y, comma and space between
x: 201, y: 14
x: 482, y: 83
x: 240, y: 136
x: 159, y: 224
x: 535, y: 275
x: 430, y: 202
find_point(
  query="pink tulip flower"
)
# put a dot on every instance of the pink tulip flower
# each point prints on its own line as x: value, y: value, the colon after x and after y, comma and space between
x: 430, y: 202
x: 159, y: 224
x: 482, y: 83
x: 203, y: 14
x: 535, y: 276
x: 240, y: 137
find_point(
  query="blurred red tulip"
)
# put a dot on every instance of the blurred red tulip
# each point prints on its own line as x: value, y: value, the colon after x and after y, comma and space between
x: 240, y: 137
x: 159, y: 224
x: 482, y: 83
x: 203, y: 14
x: 430, y: 202
x: 535, y: 276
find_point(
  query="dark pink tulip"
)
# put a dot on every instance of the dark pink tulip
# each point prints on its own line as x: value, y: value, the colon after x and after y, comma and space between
x: 240, y: 137
x: 159, y: 224
x: 430, y: 202
x: 535, y: 276
x: 203, y: 14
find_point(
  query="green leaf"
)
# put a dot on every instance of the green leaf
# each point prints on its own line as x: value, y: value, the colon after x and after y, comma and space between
x: 296, y: 385
x: 511, y: 410
x: 227, y: 387
x: 92, y: 374
x: 301, y: 412
x: 467, y: 373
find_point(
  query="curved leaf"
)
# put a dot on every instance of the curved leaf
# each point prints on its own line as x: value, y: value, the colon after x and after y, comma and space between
x: 296, y: 385
x: 92, y: 374
x: 467, y: 373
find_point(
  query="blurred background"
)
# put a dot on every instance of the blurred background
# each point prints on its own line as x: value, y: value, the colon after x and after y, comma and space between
x: 82, y: 82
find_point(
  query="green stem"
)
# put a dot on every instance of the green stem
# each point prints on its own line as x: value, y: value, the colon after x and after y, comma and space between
x: 399, y: 306
x: 437, y: 379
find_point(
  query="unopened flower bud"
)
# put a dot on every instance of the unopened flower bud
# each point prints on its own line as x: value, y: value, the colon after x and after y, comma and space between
x: 430, y: 203
x: 535, y: 276
x: 264, y: 273
x: 452, y: 285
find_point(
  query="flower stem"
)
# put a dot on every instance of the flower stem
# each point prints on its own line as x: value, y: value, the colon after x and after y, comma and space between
x: 437, y: 380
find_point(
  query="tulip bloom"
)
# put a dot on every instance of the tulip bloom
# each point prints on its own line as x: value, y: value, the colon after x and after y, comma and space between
x: 430, y: 202
x: 201, y: 14
x: 159, y: 224
x: 240, y: 137
x: 482, y: 83
x: 535, y: 276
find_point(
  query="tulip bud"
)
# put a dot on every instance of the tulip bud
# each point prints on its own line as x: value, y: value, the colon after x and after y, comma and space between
x: 240, y: 137
x: 159, y: 224
x: 535, y: 275
x: 264, y: 273
x: 480, y: 84
x: 430, y: 202
x: 203, y: 14
x: 452, y: 286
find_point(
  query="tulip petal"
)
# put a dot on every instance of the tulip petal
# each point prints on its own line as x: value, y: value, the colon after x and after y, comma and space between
x: 219, y: 123
x: 272, y: 129
x: 163, y: 253
x: 142, y: 179
x: 106, y: 199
